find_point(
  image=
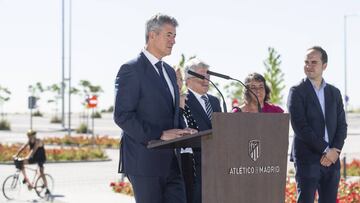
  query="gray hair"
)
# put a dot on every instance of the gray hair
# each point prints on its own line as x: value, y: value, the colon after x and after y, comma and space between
x: 193, y: 65
x: 156, y: 22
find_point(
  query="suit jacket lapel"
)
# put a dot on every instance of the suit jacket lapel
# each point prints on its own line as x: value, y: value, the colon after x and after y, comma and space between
x: 154, y: 76
x: 197, y: 108
x: 327, y: 96
x: 173, y: 82
x: 176, y: 93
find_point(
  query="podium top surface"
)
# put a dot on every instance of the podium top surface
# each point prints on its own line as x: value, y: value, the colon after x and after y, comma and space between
x: 193, y: 140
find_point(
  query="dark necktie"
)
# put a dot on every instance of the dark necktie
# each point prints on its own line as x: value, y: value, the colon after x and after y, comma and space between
x: 163, y: 82
x: 209, y: 110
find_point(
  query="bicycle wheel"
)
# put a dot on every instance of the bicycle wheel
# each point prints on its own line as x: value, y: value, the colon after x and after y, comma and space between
x: 11, y: 187
x: 40, y: 186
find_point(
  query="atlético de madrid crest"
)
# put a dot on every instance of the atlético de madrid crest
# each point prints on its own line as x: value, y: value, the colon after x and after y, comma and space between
x: 254, y: 149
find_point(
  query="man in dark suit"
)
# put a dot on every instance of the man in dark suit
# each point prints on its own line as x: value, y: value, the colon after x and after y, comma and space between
x: 318, y: 121
x: 201, y: 106
x: 146, y: 108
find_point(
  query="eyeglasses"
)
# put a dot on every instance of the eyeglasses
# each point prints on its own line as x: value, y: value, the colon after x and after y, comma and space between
x: 256, y: 88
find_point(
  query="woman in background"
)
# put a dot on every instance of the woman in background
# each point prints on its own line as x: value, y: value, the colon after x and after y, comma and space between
x: 256, y: 83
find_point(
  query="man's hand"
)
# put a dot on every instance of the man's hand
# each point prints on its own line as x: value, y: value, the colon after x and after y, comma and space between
x: 332, y: 155
x: 174, y: 133
x: 325, y: 161
x: 191, y: 131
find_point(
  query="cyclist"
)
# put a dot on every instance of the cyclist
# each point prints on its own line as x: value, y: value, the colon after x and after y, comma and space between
x: 36, y: 155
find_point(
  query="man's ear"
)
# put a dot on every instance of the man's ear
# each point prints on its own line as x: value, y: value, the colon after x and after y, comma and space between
x: 324, y: 66
x: 152, y: 34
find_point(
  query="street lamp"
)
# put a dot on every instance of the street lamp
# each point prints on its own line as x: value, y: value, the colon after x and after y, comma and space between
x: 68, y: 79
x: 345, y: 60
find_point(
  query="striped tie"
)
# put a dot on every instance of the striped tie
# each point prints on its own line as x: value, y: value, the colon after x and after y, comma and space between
x: 209, y: 110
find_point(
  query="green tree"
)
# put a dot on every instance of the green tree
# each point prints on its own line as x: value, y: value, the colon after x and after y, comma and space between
x: 181, y: 66
x: 234, y: 90
x: 183, y: 60
x: 4, y: 97
x: 88, y: 88
x: 35, y: 90
x: 56, y: 90
x: 86, y: 91
x: 274, y: 76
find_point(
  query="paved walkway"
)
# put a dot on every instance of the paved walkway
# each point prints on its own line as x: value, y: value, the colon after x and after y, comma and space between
x: 77, y: 182
x: 89, y: 182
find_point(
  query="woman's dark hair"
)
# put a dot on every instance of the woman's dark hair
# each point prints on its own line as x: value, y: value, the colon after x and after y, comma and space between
x: 259, y: 78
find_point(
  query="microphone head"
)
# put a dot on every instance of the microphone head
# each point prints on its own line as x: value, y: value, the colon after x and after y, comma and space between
x: 219, y: 75
x: 196, y: 74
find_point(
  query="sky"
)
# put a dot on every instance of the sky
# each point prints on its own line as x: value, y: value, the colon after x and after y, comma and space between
x: 232, y: 36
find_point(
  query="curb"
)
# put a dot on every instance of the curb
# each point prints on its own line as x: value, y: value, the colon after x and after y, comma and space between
x: 63, y: 162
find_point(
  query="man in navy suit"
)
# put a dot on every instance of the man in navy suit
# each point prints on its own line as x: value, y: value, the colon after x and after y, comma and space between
x: 146, y: 108
x: 318, y: 120
x: 201, y: 105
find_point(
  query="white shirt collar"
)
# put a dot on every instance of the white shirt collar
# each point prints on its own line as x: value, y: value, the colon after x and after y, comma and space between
x: 197, y: 95
x: 322, y: 85
x: 153, y: 60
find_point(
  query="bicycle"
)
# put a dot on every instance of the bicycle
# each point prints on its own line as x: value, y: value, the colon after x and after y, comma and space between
x: 13, y: 185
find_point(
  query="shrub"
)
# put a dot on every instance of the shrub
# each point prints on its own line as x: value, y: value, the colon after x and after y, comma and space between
x: 57, y: 154
x: 102, y: 141
x: 37, y: 113
x: 352, y: 169
x: 96, y: 115
x: 347, y: 192
x: 4, y: 124
x: 122, y: 187
x: 83, y: 128
x: 55, y: 119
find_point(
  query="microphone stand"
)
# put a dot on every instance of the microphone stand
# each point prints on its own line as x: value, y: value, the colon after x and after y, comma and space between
x: 230, y: 78
x: 257, y: 99
x: 204, y: 78
x: 224, y: 104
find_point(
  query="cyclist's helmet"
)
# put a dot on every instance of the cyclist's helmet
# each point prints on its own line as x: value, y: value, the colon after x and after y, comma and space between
x: 31, y: 133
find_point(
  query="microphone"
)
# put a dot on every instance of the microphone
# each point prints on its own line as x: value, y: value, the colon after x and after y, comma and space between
x: 219, y: 75
x: 204, y: 78
x: 230, y: 78
x: 196, y: 74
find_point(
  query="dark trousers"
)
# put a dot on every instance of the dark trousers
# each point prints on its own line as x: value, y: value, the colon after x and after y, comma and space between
x: 187, y: 165
x: 197, y: 181
x: 159, y: 189
x: 314, y: 178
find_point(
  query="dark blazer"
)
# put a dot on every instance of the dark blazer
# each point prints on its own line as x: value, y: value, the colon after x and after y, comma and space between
x: 143, y: 112
x: 198, y: 112
x: 308, y: 122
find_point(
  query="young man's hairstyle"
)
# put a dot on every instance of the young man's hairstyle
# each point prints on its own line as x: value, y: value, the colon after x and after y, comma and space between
x: 324, y: 56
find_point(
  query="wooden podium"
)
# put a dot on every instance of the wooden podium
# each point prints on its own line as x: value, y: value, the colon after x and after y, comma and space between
x: 244, y: 157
